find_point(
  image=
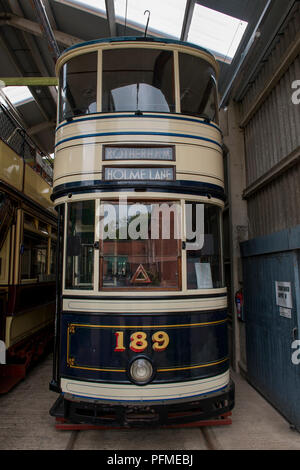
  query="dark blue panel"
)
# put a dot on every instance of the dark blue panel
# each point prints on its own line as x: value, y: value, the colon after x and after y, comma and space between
x: 269, y: 335
x: 197, y: 345
x: 285, y: 240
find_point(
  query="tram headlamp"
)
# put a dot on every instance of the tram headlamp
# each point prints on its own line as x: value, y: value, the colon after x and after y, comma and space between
x: 141, y: 371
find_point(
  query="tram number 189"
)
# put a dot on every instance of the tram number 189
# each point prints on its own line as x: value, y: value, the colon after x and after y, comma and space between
x: 139, y: 342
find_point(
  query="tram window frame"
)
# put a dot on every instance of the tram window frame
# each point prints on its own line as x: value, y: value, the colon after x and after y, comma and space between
x: 190, y: 90
x: 88, y: 61
x: 209, y: 264
x: 138, y: 54
x: 148, y: 276
x: 5, y: 259
x: 73, y: 247
x: 35, y: 229
x: 34, y: 251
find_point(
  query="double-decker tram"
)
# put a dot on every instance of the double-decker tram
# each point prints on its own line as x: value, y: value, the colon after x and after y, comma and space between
x: 141, y: 332
x: 28, y: 234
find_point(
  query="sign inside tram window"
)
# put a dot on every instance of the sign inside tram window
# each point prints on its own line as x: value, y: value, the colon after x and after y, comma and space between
x: 138, y: 153
x: 139, y: 174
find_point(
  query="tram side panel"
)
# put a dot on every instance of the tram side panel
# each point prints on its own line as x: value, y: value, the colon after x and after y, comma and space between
x: 27, y: 280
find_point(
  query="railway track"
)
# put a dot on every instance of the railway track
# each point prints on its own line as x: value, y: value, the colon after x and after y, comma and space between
x: 207, y: 439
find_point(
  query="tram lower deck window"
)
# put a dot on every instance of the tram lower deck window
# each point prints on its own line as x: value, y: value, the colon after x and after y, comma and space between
x: 33, y: 256
x: 140, y: 246
x: 80, y: 245
x: 136, y: 252
x: 204, y: 259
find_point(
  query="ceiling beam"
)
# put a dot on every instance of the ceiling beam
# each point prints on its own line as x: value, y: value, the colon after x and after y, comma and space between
x: 50, y: 14
x: 189, y: 10
x: 46, y: 28
x: 40, y: 127
x: 34, y: 28
x: 111, y: 17
x: 29, y: 81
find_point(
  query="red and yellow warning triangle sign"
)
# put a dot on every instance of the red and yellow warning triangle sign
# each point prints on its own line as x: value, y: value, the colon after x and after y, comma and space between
x: 140, y: 276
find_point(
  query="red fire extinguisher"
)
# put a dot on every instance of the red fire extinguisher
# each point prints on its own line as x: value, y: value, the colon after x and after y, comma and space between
x: 239, y: 302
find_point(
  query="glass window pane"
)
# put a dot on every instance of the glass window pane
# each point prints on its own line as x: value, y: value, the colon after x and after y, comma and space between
x: 138, y: 80
x: 137, y: 253
x: 33, y: 256
x: 204, y: 264
x: 220, y: 33
x: 78, y: 86
x: 80, y: 245
x: 198, y: 91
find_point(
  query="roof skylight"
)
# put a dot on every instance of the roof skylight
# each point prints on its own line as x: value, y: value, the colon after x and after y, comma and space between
x: 166, y: 16
x: 18, y: 94
x: 219, y: 33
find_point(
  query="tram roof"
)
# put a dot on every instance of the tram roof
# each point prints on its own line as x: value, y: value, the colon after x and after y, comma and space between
x: 139, y: 39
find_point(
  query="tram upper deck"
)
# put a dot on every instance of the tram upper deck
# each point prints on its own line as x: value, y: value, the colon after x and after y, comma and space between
x: 133, y: 110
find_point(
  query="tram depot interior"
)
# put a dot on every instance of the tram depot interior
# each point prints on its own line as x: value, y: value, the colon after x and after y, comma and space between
x: 256, y: 46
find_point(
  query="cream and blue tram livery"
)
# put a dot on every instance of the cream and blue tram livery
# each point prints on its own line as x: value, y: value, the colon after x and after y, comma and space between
x: 141, y: 332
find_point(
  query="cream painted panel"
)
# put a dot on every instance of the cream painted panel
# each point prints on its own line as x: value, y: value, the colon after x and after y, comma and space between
x: 11, y: 166
x: 131, y: 124
x: 148, y: 392
x: 37, y: 189
x: 144, y: 306
x: 195, y: 159
x: 21, y: 326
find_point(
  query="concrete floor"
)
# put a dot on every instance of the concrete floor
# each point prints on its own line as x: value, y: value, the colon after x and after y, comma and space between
x: 25, y: 424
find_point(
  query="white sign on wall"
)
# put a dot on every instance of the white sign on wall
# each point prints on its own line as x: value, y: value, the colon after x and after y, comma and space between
x: 284, y: 294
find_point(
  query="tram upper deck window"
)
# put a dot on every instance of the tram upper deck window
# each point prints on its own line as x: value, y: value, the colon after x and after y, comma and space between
x: 204, y: 259
x: 198, y: 90
x: 80, y: 245
x: 78, y: 86
x: 138, y: 80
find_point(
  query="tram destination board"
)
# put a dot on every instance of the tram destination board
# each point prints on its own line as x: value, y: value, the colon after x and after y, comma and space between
x: 160, y: 173
x: 113, y: 152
